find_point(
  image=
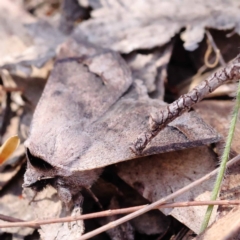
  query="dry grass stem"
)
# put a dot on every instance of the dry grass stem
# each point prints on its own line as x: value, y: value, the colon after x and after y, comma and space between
x: 15, y: 222
x: 155, y: 204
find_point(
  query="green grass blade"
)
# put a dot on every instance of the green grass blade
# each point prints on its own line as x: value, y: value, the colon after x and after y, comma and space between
x: 224, y: 160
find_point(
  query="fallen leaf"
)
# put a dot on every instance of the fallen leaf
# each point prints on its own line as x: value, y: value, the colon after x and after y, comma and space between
x: 156, y: 177
x: 95, y: 102
x: 226, y: 228
x: 93, y: 96
x: 124, y: 231
x: 8, y: 174
x: 12, y: 205
x: 26, y: 43
x: 120, y: 124
x: 150, y: 223
x: 7, y: 149
x: 219, y: 119
x: 126, y: 27
x: 148, y: 68
x: 230, y: 188
x: 47, y: 205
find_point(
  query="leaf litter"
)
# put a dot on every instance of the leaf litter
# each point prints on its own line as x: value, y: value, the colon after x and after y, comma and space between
x: 145, y: 36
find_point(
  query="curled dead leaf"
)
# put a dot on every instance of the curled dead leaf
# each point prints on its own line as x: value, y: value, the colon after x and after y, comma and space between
x: 7, y: 149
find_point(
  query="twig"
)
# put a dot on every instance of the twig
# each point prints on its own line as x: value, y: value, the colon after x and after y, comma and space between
x: 212, y: 45
x: 216, y: 49
x: 20, y: 223
x: 207, y: 55
x: 11, y: 89
x: 185, y: 102
x: 17, y: 221
x: 10, y: 219
x: 155, y: 204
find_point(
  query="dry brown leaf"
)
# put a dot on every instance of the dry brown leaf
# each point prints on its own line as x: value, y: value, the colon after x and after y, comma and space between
x: 115, y: 127
x: 155, y: 177
x: 13, y: 204
x: 90, y: 99
x: 13, y: 129
x: 8, y: 174
x: 226, y: 228
x: 230, y: 187
x: 47, y: 205
x: 217, y: 114
x: 148, y: 68
x: 27, y: 42
x: 7, y: 149
x: 126, y: 27
x: 150, y: 223
x: 32, y: 88
x: 71, y: 11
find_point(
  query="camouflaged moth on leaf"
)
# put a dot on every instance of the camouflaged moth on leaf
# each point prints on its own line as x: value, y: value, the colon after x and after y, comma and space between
x: 90, y: 113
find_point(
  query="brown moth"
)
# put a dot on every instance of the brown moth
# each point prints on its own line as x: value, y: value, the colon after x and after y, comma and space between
x: 90, y: 113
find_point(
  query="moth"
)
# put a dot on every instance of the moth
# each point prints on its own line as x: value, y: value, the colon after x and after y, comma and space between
x: 89, y: 114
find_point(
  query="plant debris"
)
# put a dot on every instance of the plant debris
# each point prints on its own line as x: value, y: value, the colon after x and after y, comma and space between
x: 81, y: 80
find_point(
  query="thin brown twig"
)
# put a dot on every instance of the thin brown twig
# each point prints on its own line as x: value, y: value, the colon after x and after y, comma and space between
x: 11, y: 89
x: 207, y: 55
x: 160, y: 120
x: 21, y: 223
x: 215, y: 48
x: 155, y: 204
x: 16, y: 221
x: 10, y: 219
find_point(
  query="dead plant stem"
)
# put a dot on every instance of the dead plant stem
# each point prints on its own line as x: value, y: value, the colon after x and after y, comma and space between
x: 35, y: 224
x: 155, y: 204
